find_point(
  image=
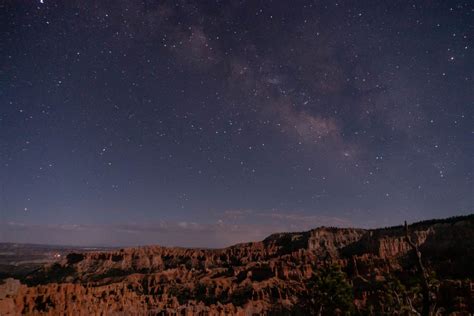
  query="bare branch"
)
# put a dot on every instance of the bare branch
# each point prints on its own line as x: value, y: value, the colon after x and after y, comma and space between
x: 421, y: 270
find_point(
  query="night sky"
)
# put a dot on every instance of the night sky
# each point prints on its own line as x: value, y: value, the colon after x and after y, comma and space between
x: 208, y: 123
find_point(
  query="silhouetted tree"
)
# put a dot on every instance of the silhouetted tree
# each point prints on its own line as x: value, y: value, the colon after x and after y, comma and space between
x: 425, y: 287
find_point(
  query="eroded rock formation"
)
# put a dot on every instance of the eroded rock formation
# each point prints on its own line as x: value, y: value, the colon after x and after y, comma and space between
x: 267, y: 277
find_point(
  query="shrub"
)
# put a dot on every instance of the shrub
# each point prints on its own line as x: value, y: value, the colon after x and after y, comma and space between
x: 330, y: 292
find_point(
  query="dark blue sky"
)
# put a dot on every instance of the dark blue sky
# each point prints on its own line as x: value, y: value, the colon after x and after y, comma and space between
x: 207, y: 123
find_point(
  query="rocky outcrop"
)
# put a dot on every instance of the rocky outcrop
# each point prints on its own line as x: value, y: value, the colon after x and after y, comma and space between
x: 328, y: 241
x: 264, y: 277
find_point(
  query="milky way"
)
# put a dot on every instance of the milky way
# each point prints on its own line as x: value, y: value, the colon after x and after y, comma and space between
x: 208, y: 123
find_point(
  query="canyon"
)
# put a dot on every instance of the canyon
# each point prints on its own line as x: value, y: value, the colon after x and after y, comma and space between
x: 275, y: 276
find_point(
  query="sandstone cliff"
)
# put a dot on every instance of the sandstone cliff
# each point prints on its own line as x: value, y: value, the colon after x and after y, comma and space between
x: 267, y: 277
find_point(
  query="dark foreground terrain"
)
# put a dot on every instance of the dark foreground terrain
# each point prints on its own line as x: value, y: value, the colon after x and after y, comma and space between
x: 325, y: 271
